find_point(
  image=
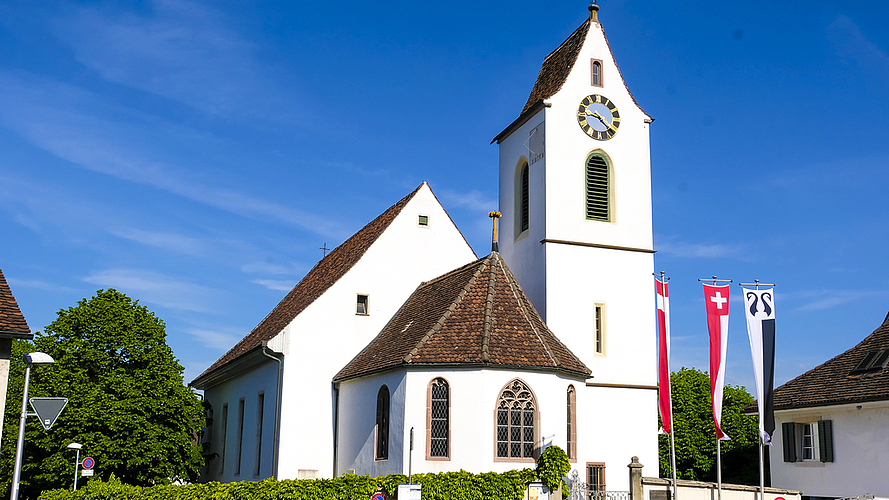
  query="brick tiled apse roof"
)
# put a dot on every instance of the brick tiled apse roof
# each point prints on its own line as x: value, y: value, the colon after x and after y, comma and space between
x: 325, y: 273
x: 11, y: 319
x: 475, y: 315
x: 833, y: 382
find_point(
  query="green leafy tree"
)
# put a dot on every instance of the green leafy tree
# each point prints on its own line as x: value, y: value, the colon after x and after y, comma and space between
x: 552, y: 465
x: 127, y: 406
x: 695, y: 433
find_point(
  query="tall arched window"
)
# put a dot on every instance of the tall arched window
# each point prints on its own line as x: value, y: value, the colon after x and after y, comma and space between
x: 525, y: 211
x: 596, y: 73
x: 516, y: 421
x: 382, y: 452
x: 598, y: 192
x: 572, y: 423
x: 438, y: 407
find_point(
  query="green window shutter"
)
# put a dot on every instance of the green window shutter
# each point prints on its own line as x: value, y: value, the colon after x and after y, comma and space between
x: 825, y: 440
x: 788, y: 431
x: 597, y: 189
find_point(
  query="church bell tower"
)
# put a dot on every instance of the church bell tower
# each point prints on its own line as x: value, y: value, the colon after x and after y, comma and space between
x: 575, y: 194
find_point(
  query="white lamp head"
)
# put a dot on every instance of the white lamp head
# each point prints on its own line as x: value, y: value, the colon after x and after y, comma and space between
x: 75, y: 446
x: 39, y: 359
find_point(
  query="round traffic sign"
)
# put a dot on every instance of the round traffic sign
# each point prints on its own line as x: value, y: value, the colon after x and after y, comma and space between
x: 88, y: 463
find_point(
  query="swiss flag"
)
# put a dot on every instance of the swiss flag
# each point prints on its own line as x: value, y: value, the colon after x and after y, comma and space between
x: 716, y: 301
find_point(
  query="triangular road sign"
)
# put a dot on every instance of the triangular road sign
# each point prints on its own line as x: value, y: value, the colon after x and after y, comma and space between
x: 48, y: 409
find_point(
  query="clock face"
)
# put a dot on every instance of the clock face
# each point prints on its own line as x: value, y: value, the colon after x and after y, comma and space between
x: 598, y: 117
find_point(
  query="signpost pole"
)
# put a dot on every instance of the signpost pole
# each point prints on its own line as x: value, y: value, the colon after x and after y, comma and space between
x: 76, y: 468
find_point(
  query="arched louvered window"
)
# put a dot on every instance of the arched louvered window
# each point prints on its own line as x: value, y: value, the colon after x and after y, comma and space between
x: 382, y: 452
x: 598, y: 188
x: 524, y: 211
x: 439, y: 419
x: 516, y: 421
x: 572, y: 423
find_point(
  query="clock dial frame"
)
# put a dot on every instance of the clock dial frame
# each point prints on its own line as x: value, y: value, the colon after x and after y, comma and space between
x: 598, y: 117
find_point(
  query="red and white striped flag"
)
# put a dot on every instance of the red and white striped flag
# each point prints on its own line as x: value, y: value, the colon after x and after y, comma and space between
x: 663, y: 321
x: 716, y: 299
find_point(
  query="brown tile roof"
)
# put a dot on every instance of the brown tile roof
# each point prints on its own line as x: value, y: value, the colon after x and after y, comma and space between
x: 11, y: 319
x: 325, y: 273
x: 555, y: 70
x: 475, y: 315
x: 557, y: 65
x: 831, y: 383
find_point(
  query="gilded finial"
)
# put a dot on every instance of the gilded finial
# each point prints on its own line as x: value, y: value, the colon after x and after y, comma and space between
x: 494, y: 215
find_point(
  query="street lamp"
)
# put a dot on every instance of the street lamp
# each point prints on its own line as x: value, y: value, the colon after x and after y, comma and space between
x: 35, y: 359
x: 76, y: 446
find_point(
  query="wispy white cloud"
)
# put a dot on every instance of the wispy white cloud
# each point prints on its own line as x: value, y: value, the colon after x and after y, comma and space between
x: 851, y: 43
x: 65, y: 121
x: 178, y: 49
x: 281, y: 285
x: 472, y: 200
x: 42, y: 285
x: 178, y: 243
x: 699, y: 250
x: 159, y: 289
x: 215, y: 339
x: 819, y: 300
x: 272, y: 268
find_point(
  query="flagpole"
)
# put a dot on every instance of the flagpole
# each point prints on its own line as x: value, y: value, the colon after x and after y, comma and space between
x: 718, y: 445
x: 759, y: 391
x: 672, y: 423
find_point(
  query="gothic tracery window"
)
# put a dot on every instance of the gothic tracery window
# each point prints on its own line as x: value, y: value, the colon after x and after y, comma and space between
x: 516, y: 415
x: 439, y: 419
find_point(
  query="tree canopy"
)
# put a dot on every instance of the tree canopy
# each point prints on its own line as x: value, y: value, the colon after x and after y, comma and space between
x: 127, y: 406
x: 695, y: 433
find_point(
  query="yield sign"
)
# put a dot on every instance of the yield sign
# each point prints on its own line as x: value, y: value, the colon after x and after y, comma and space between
x: 48, y: 409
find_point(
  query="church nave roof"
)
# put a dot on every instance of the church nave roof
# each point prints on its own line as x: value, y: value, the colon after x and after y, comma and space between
x: 473, y: 315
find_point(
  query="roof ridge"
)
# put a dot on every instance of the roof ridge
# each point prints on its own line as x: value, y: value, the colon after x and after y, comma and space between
x: 323, y: 275
x: 447, y: 314
x: 510, y: 280
x: 586, y: 22
x: 12, y: 321
x: 489, y: 312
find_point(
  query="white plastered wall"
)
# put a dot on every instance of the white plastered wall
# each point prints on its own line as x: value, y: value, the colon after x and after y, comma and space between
x: 861, y: 461
x: 248, y: 385
x: 327, y: 334
x: 473, y: 396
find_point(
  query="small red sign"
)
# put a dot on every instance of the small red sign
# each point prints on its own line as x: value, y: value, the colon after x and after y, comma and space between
x: 88, y: 463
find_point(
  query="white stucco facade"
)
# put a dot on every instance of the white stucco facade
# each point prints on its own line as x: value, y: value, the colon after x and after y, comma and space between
x: 327, y: 334
x: 860, y: 459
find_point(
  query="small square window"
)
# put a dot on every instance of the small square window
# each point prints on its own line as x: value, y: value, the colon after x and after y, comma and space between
x: 361, y: 307
x: 423, y: 220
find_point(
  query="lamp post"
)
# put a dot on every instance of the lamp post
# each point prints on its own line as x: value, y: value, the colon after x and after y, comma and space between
x: 35, y: 359
x: 76, y: 446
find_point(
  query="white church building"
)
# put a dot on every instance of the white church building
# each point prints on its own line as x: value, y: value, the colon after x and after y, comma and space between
x: 485, y: 361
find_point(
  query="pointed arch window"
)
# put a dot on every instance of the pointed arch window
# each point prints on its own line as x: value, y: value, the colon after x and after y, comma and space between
x: 598, y: 188
x: 524, y: 209
x: 382, y: 448
x: 572, y: 423
x: 438, y: 427
x: 516, y: 422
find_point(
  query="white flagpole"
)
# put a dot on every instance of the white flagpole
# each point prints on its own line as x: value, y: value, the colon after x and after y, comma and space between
x: 670, y: 388
x: 718, y: 470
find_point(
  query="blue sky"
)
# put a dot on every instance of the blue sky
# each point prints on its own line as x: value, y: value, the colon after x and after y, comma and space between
x: 196, y: 155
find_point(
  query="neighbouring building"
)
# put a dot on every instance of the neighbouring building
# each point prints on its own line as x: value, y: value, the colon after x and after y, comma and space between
x: 12, y: 326
x: 551, y: 340
x: 832, y: 425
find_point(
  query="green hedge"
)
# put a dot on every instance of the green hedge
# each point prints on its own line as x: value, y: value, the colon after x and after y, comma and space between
x: 443, y: 486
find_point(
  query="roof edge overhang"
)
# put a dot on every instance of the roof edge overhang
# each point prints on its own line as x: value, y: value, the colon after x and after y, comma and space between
x: 248, y: 361
x: 817, y: 404
x: 496, y: 366
x: 521, y: 120
x: 16, y: 335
